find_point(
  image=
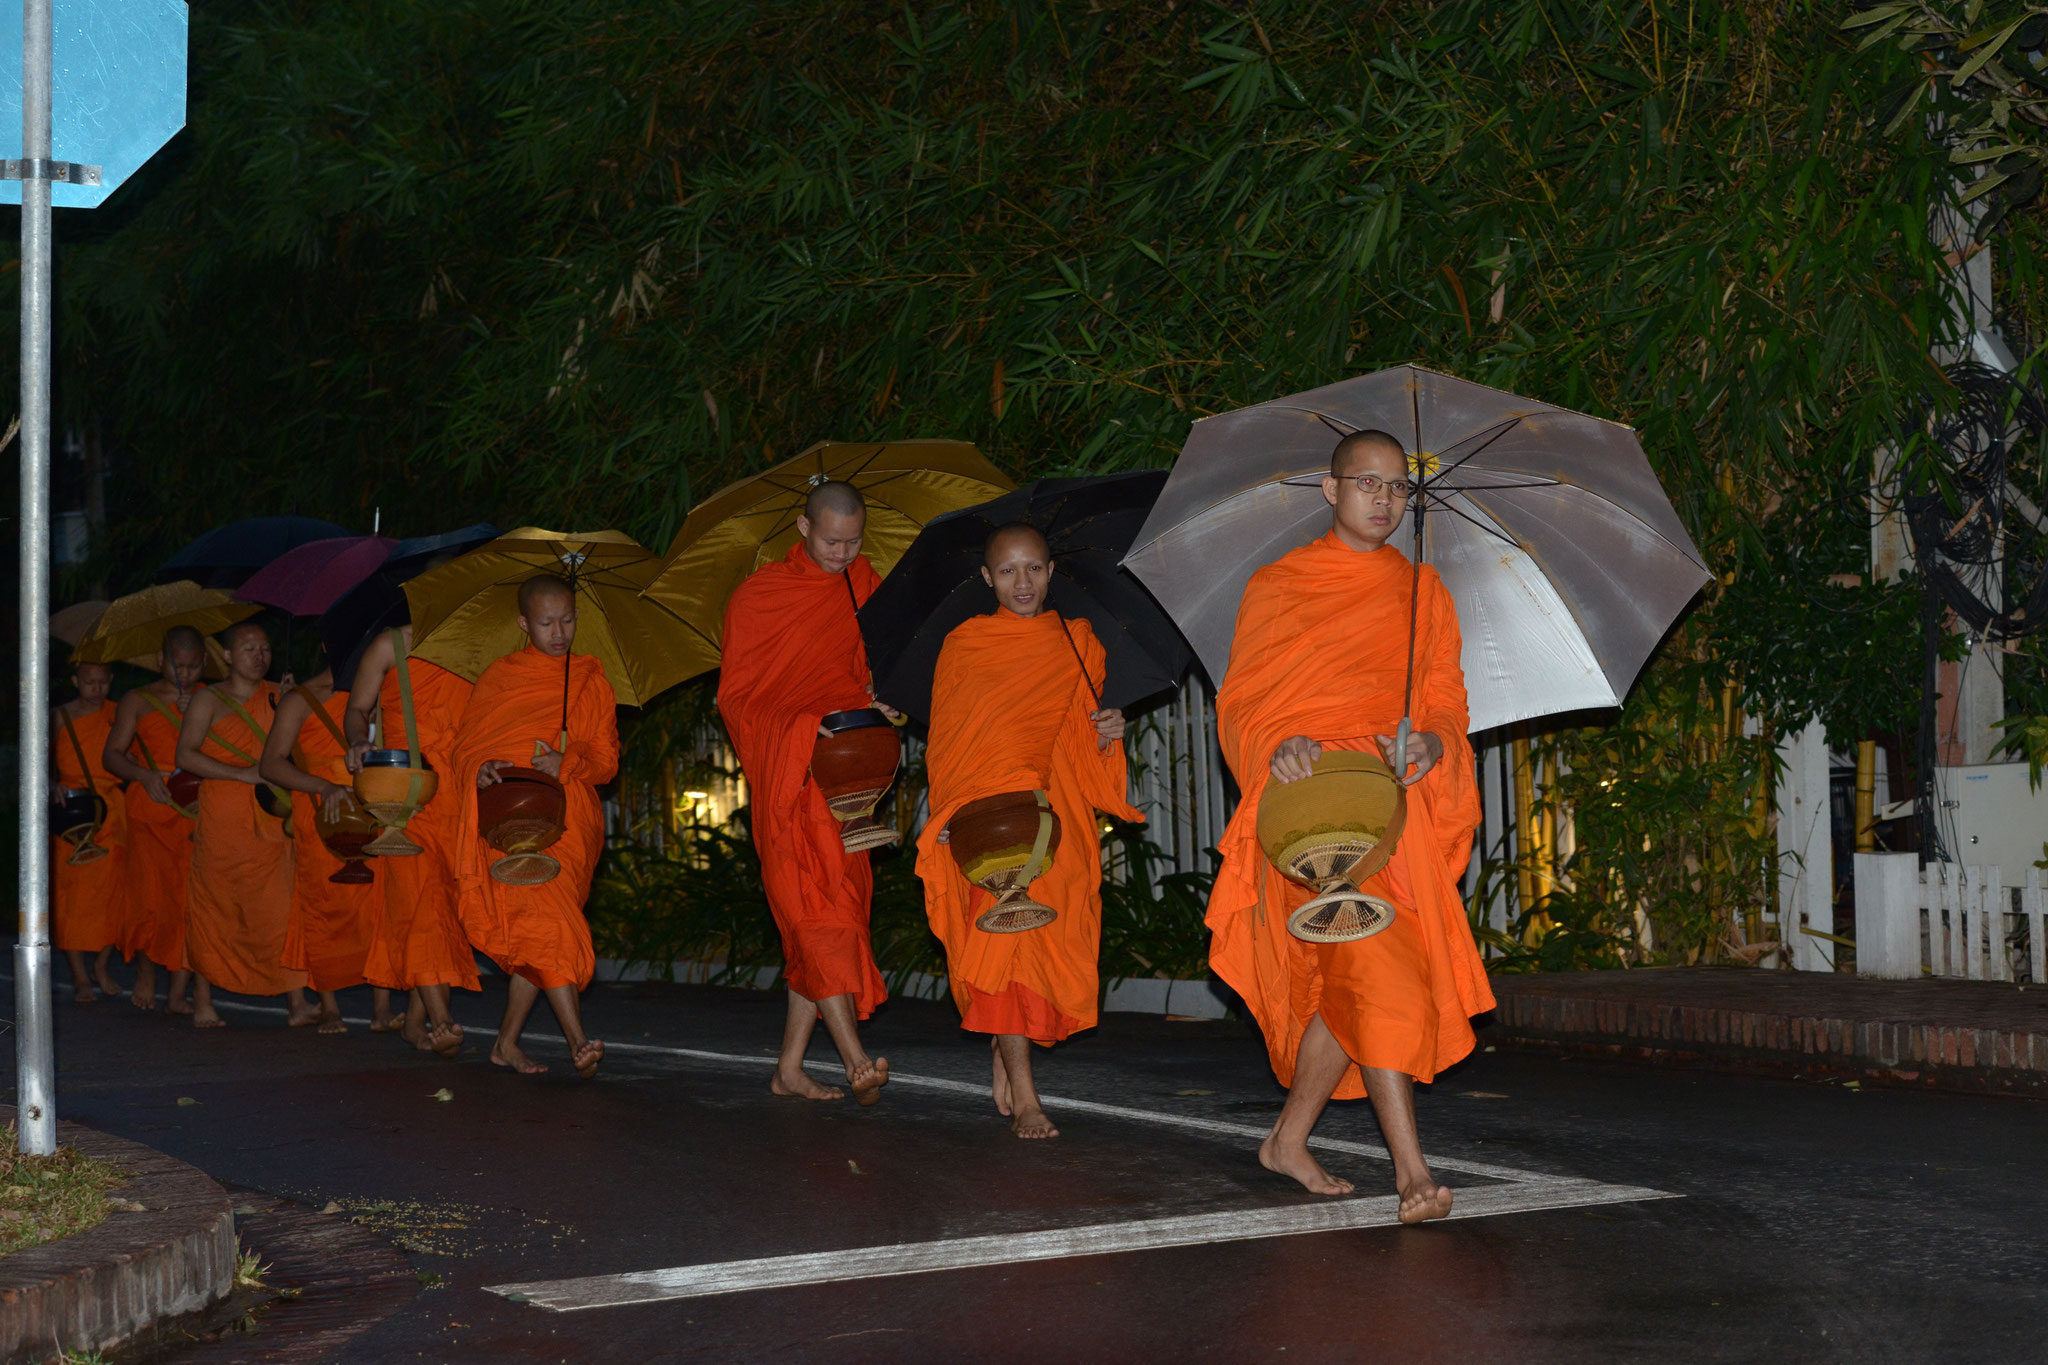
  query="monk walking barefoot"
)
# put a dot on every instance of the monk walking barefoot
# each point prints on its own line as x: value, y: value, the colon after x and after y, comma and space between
x: 791, y: 654
x: 1319, y: 663
x: 419, y: 945
x: 333, y: 923
x: 515, y: 717
x: 142, y: 750
x: 1014, y: 710
x: 240, y: 907
x: 88, y: 891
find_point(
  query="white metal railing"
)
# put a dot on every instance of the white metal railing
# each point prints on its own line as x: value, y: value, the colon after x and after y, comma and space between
x: 1947, y: 920
x: 1177, y: 776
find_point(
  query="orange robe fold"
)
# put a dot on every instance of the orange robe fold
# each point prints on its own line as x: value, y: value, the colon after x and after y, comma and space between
x: 792, y: 654
x: 89, y: 901
x: 159, y: 867
x: 240, y: 906
x: 1321, y: 650
x: 1010, y: 712
x: 537, y: 932
x: 333, y: 923
x: 421, y: 941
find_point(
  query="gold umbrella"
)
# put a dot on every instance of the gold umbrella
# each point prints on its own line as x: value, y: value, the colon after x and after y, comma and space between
x: 750, y: 523
x: 465, y: 613
x: 131, y: 629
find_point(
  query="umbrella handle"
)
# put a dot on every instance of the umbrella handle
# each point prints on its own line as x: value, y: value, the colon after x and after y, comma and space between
x: 1401, y: 733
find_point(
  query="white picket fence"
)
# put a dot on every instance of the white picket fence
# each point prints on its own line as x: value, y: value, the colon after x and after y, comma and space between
x: 1177, y: 776
x: 1948, y: 920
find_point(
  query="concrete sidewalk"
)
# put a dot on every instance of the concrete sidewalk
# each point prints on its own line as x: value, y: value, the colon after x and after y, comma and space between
x: 1989, y: 1037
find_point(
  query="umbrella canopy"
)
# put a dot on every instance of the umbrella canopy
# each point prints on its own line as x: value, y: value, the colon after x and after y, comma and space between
x: 1089, y: 523
x: 227, y: 556
x: 71, y: 623
x: 132, y: 628
x: 310, y: 578
x: 414, y: 554
x: 747, y: 524
x: 1556, y: 541
x: 346, y: 628
x: 465, y: 614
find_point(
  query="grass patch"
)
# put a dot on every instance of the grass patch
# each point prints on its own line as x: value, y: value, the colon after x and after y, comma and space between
x: 43, y: 1198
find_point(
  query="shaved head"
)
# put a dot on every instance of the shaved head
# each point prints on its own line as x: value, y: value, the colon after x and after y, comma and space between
x: 1016, y: 530
x: 1345, y: 458
x: 234, y: 633
x: 184, y: 640
x: 835, y: 496
x: 542, y: 586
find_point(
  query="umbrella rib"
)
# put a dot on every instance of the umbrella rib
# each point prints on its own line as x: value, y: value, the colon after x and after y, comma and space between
x: 1494, y: 531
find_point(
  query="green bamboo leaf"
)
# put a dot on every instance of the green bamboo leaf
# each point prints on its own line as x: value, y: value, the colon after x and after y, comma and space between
x: 1986, y: 45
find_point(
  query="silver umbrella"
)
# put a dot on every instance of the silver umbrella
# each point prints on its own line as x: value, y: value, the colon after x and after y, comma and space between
x: 1559, y: 546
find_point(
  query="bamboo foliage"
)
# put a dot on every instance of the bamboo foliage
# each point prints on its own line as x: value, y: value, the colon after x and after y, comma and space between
x: 579, y: 263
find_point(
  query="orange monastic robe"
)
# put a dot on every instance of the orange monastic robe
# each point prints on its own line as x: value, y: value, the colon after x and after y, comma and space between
x: 1321, y: 650
x: 1010, y: 713
x: 241, y: 897
x: 333, y: 923
x: 792, y: 654
x: 88, y: 901
x: 421, y: 942
x: 537, y: 932
x: 159, y: 870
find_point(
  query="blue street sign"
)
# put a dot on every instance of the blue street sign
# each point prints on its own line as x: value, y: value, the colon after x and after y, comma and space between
x: 118, y: 90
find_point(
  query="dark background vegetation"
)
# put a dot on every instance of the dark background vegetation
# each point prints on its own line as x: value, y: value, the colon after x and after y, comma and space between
x: 578, y: 264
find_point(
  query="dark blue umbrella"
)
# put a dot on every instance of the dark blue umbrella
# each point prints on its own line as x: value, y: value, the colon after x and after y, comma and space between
x: 228, y: 556
x: 417, y: 554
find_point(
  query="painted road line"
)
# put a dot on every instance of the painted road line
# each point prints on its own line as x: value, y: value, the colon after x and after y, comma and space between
x: 966, y: 1253
x: 1188, y: 1121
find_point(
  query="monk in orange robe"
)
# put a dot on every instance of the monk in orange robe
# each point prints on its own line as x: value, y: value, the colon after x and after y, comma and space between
x: 515, y: 720
x: 1014, y: 708
x: 240, y: 905
x: 333, y: 923
x: 1319, y: 662
x: 791, y: 654
x: 421, y: 947
x: 86, y: 897
x: 143, y: 750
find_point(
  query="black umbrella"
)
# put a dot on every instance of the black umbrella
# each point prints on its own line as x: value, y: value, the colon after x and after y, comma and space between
x: 346, y: 628
x: 1090, y: 524
x: 228, y: 556
x: 416, y: 555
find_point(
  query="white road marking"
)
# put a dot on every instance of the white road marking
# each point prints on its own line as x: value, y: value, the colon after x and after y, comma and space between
x: 963, y: 1253
x: 1189, y: 1121
x: 1521, y: 1192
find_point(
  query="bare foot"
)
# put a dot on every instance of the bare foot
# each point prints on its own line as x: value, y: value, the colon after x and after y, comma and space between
x: 796, y: 1084
x: 205, y: 1018
x: 867, y: 1081
x: 82, y: 995
x: 330, y: 1021
x: 179, y: 1007
x: 586, y: 1058
x: 143, y: 1002
x: 1296, y: 1162
x: 1423, y: 1199
x: 1001, y: 1086
x: 508, y: 1055
x: 301, y: 1016
x: 445, y: 1039
x: 390, y: 1023
x: 416, y: 1034
x: 107, y: 986
x: 1031, y: 1122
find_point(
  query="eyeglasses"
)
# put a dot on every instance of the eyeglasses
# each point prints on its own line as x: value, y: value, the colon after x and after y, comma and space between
x: 1401, y: 490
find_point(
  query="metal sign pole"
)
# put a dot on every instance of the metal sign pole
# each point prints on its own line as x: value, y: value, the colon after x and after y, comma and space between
x: 35, y: 1058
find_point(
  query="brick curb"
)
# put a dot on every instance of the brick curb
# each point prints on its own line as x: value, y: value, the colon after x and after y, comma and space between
x: 111, y: 1283
x: 1946, y: 1039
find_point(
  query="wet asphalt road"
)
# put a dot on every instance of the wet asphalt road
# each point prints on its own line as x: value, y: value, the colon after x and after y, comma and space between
x: 1816, y: 1223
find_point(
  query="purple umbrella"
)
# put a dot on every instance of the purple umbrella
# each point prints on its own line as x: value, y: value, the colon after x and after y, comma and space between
x: 306, y: 581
